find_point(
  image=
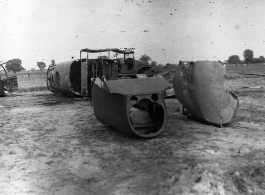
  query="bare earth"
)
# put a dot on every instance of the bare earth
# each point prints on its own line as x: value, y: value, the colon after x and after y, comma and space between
x: 52, y: 144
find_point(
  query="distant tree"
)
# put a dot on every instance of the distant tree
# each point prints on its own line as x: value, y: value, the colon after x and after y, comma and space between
x: 256, y: 60
x: 262, y: 59
x: 153, y: 63
x: 242, y: 62
x: 14, y: 65
x: 41, y: 65
x: 234, y: 59
x: 145, y: 58
x: 248, y: 55
x: 169, y: 64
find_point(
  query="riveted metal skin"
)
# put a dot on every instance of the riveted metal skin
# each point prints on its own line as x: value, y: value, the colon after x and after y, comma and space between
x: 112, y: 104
x: 199, y: 87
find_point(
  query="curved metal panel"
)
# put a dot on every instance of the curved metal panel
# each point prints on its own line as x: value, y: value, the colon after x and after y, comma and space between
x: 58, y: 78
x: 199, y: 86
x: 121, y: 111
x: 138, y: 86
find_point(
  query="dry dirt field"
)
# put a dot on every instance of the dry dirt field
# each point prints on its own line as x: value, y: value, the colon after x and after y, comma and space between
x: 51, y: 144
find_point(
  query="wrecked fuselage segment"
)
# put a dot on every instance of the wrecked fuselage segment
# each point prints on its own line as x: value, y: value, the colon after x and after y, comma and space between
x: 74, y: 77
x: 132, y: 106
x: 199, y: 87
x: 66, y: 78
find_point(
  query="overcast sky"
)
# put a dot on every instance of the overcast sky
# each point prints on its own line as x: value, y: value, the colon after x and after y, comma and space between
x: 167, y: 31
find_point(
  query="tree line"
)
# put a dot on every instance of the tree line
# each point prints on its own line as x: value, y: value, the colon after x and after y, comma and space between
x: 249, y: 58
x: 15, y: 65
x: 148, y: 59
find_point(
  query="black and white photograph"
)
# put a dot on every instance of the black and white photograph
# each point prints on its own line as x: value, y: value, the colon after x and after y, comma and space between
x: 132, y: 97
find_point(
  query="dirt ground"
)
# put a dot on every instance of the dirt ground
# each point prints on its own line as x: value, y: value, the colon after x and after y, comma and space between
x: 51, y: 144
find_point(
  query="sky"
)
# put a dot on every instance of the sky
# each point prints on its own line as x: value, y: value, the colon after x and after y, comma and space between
x: 167, y: 31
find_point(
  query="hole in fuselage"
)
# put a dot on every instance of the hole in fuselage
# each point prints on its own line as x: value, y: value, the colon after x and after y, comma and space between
x: 133, y: 99
x: 75, y: 76
x: 147, y: 117
x: 57, y: 78
x: 154, y: 97
x: 89, y: 69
